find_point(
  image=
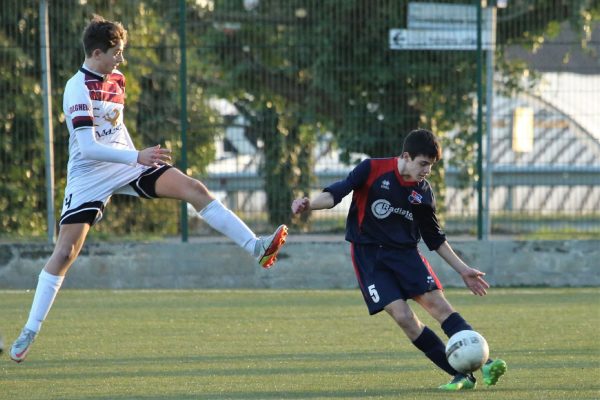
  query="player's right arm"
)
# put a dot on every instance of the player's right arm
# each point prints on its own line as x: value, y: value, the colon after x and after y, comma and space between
x: 320, y: 202
x: 335, y: 192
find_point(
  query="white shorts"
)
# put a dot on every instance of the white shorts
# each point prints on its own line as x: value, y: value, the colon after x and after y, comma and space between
x: 86, y: 196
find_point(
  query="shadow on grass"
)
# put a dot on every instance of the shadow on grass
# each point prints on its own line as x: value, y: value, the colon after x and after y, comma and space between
x: 216, y: 366
x: 300, y: 394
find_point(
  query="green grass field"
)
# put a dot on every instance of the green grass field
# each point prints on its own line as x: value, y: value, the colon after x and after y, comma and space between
x: 250, y: 344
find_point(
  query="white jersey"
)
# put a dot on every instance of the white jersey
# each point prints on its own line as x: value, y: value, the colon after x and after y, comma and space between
x: 91, y: 100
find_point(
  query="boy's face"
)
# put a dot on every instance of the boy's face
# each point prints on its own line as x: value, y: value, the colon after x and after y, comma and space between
x: 105, y: 63
x: 416, y: 169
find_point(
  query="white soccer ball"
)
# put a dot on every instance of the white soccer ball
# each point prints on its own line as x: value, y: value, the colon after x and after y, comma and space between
x: 467, y: 351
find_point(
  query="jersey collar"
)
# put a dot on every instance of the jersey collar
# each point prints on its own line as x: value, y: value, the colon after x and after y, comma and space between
x: 403, y: 182
x: 88, y: 71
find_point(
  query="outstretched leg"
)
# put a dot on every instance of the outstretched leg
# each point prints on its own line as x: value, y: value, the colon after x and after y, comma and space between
x: 175, y: 184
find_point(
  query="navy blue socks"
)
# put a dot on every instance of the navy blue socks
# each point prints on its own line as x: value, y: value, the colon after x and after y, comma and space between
x: 430, y: 344
x: 455, y: 323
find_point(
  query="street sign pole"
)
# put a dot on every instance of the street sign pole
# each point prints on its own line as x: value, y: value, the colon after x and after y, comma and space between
x: 466, y: 27
x: 479, y: 126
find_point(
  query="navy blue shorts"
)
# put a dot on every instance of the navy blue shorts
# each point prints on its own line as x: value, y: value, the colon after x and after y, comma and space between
x: 386, y: 275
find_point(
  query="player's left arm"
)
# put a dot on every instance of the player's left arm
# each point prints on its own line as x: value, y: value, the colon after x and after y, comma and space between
x: 435, y: 239
x: 472, y: 277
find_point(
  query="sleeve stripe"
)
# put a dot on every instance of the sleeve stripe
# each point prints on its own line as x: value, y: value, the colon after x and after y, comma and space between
x: 79, y: 122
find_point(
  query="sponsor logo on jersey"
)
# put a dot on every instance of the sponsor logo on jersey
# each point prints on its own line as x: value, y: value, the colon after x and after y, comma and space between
x: 415, y: 198
x: 382, y: 209
x: 385, y: 184
x: 113, y: 117
x: 107, y: 132
x: 78, y: 107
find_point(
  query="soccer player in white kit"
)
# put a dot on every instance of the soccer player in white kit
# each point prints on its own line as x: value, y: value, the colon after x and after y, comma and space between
x: 103, y: 161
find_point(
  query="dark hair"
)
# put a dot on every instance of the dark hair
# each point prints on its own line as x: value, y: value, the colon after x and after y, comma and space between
x: 422, y: 142
x: 102, y: 34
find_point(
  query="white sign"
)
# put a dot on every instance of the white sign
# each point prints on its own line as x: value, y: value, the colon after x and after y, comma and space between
x: 442, y: 26
x: 446, y: 16
x: 436, y: 39
x: 522, y: 131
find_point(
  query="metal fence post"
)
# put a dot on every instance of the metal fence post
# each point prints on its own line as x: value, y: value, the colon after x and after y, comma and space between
x: 183, y: 115
x: 48, y: 132
x: 489, y: 112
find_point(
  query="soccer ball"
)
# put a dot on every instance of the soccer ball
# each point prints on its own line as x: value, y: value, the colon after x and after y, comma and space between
x: 467, y: 351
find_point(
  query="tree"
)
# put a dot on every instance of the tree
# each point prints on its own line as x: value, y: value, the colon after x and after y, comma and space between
x: 329, y: 61
x: 296, y: 69
x: 153, y: 105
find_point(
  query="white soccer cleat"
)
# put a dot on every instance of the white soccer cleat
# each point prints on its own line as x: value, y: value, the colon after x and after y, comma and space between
x: 21, y: 346
x: 266, y: 249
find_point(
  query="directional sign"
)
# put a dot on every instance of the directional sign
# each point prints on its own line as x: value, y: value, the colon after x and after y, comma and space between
x: 435, y: 39
x: 442, y: 26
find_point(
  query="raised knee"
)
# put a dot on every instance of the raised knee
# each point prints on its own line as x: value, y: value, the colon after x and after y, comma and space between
x: 199, y: 188
x: 201, y: 196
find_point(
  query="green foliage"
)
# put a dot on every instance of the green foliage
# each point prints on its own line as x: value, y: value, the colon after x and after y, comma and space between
x: 22, y: 205
x: 152, y: 111
x: 527, y: 22
x: 342, y: 78
x: 329, y: 62
x: 318, y: 66
x: 287, y: 156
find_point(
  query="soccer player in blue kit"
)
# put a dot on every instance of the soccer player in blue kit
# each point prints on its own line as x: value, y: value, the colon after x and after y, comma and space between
x: 393, y: 207
x: 103, y: 161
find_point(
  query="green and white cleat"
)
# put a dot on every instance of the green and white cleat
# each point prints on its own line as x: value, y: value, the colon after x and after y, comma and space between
x: 21, y: 346
x: 492, y: 371
x: 460, y: 382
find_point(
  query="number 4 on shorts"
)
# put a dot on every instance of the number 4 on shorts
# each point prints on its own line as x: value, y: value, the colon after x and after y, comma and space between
x: 68, y: 200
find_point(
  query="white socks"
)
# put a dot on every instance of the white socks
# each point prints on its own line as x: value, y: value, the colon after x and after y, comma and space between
x: 226, y: 222
x: 215, y: 214
x: 47, y: 288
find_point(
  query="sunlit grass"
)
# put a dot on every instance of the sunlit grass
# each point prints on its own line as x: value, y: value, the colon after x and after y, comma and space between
x: 270, y: 344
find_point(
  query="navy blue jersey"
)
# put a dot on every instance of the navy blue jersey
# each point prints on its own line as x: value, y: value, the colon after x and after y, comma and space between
x: 387, y: 210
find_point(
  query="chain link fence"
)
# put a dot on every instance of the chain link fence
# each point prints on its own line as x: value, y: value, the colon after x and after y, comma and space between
x: 267, y: 100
